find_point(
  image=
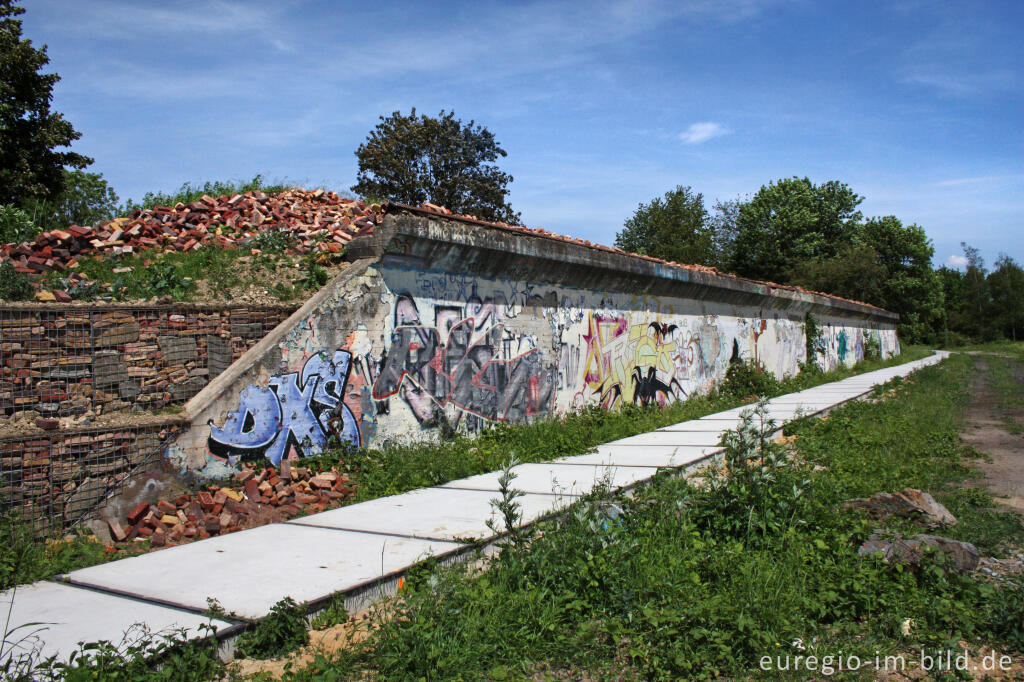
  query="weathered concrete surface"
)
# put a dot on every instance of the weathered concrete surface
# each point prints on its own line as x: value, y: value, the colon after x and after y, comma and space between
x: 434, y: 514
x: 704, y: 438
x: 69, y: 615
x: 559, y: 480
x: 249, y: 571
x: 442, y: 321
x: 656, y: 456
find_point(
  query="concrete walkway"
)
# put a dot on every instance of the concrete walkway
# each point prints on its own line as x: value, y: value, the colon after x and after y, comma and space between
x: 360, y: 550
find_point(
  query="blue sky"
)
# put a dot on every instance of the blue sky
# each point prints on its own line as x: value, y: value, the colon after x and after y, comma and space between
x: 600, y: 106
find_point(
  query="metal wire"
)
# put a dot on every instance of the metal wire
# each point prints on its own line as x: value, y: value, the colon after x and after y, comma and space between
x: 53, y: 481
x: 63, y: 361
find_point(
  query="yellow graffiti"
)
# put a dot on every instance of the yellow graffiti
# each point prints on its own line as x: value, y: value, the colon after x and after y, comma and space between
x: 618, y: 348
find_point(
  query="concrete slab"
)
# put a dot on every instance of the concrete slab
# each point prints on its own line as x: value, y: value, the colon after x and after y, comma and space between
x: 560, y: 479
x: 69, y: 615
x: 433, y: 514
x: 250, y: 571
x: 703, y: 426
x: 642, y: 456
x: 671, y: 438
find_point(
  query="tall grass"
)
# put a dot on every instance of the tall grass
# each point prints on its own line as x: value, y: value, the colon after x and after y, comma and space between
x: 684, y: 586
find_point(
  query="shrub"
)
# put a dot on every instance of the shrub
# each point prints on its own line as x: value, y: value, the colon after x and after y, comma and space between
x: 757, y: 493
x: 814, y: 339
x: 746, y: 379
x: 14, y: 286
x: 15, y: 225
x: 872, y: 347
x: 282, y: 631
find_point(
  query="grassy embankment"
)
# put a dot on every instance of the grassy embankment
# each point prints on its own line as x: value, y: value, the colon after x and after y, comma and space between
x: 703, y: 582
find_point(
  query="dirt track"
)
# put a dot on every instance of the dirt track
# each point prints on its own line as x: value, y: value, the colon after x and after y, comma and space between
x: 986, y: 430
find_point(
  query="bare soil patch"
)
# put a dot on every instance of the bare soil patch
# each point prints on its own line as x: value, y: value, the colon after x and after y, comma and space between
x: 986, y: 431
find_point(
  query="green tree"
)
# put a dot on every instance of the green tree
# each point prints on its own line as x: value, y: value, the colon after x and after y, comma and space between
x: 724, y: 229
x: 790, y: 222
x: 1006, y: 287
x: 910, y: 286
x: 854, y: 273
x: 30, y: 165
x: 87, y: 199
x: 410, y: 159
x: 675, y: 228
x: 953, y: 297
x: 976, y: 295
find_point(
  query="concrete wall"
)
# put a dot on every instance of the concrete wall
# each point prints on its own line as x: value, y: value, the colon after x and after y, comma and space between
x: 442, y: 320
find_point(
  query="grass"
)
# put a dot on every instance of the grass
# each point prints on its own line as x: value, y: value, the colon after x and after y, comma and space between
x: 701, y: 583
x: 24, y: 558
x: 178, y: 273
x: 1004, y: 380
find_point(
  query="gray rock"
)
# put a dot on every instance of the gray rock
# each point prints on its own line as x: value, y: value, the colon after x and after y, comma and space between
x: 909, y: 502
x: 963, y: 556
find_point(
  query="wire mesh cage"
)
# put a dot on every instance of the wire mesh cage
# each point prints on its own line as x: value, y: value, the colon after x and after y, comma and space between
x: 58, y: 361
x: 52, y: 482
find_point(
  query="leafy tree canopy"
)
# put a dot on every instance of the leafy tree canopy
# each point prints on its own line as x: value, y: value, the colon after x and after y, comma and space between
x: 790, y: 222
x: 1006, y: 287
x: 30, y: 166
x: 410, y: 159
x: 675, y: 228
x: 87, y: 199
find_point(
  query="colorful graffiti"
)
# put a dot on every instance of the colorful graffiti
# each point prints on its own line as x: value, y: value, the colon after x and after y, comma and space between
x: 463, y: 362
x: 459, y: 351
x: 294, y: 414
x: 630, y: 362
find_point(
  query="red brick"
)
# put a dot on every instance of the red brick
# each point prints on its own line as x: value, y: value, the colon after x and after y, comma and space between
x: 138, y: 513
x: 252, y: 489
x: 205, y: 500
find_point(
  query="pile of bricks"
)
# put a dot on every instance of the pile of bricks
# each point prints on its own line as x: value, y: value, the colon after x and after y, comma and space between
x: 284, y: 492
x: 59, y: 362
x: 318, y: 221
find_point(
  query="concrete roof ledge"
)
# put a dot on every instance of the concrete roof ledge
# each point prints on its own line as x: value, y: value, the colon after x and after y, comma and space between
x: 434, y: 240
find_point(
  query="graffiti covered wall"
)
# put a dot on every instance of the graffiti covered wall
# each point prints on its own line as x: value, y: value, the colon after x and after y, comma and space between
x: 401, y: 350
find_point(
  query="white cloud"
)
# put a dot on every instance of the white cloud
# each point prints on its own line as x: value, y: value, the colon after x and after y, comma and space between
x: 973, y: 181
x: 956, y: 262
x: 702, y: 132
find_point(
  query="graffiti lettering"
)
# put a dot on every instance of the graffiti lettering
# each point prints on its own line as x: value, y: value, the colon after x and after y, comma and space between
x: 471, y: 371
x: 296, y: 410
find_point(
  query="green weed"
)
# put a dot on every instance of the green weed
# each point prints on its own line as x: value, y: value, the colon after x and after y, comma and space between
x: 14, y: 286
x: 141, y: 656
x: 333, y: 614
x: 26, y: 558
x: 700, y: 583
x: 283, y: 630
x: 507, y: 507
